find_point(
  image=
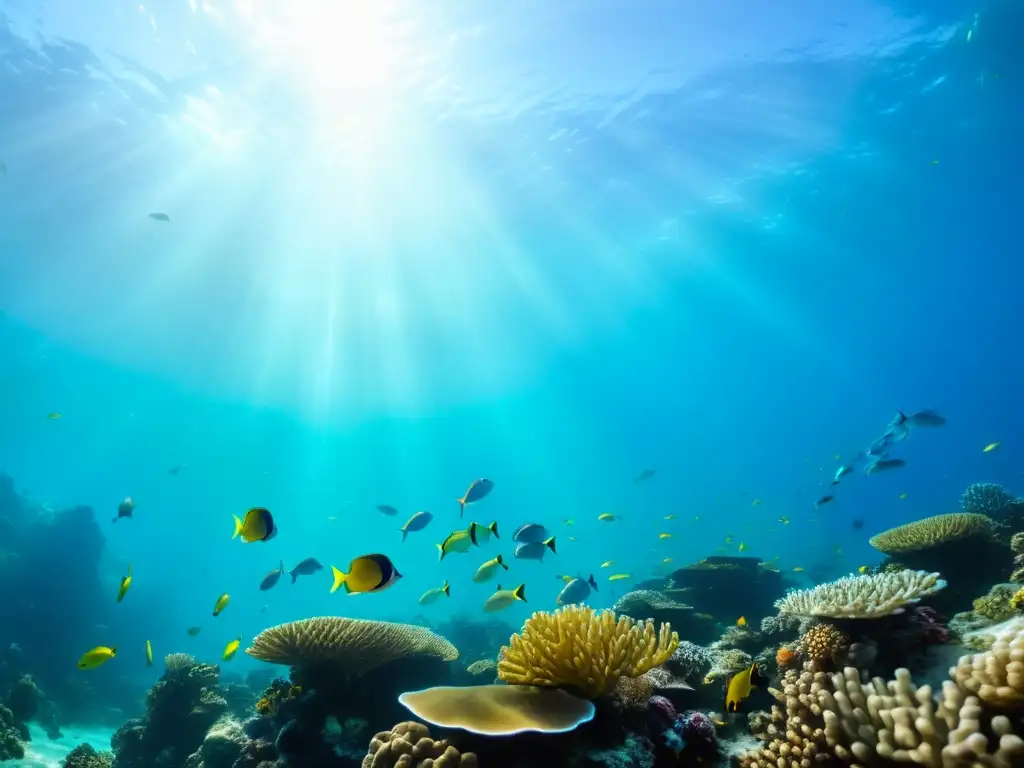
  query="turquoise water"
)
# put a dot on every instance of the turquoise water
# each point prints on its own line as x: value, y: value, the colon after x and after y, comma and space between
x: 551, y: 245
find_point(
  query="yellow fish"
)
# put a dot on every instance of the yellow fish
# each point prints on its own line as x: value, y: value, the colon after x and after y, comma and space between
x: 565, y: 579
x: 741, y: 621
x: 149, y: 654
x: 486, y: 571
x: 221, y: 604
x: 670, y: 517
x: 755, y: 503
x: 990, y: 447
x: 667, y: 560
x: 257, y: 525
x: 618, y: 576
x: 607, y: 563
x: 568, y: 522
x: 98, y: 656
x: 369, y: 573
x: 231, y: 649
x: 739, y: 687
x: 798, y: 569
x: 742, y: 547
x: 126, y: 582
x: 434, y: 593
x: 784, y: 520
x: 728, y: 539
x: 903, y: 495
x: 53, y: 416
x: 458, y: 541
x: 607, y: 517
x: 864, y: 569
x: 664, y: 535
x: 505, y: 598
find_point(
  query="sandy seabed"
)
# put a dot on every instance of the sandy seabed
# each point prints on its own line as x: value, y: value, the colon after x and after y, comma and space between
x: 43, y: 752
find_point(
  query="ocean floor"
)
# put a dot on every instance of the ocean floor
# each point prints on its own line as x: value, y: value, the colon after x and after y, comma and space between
x: 42, y: 752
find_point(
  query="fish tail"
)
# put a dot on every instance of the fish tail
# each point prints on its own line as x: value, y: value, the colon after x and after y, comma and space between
x: 550, y: 544
x: 593, y: 583
x: 462, y: 505
x: 519, y: 593
x: 493, y: 528
x: 404, y: 533
x: 295, y: 576
x: 501, y: 562
x: 238, y: 527
x: 113, y: 651
x: 440, y: 552
x: 339, y: 579
x: 446, y: 589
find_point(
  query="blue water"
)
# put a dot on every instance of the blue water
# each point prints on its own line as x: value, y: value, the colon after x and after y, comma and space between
x: 552, y: 244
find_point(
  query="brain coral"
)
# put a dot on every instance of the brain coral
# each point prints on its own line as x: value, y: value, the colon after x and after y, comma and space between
x: 353, y: 646
x: 931, y: 532
x: 408, y: 745
x: 862, y: 597
x: 576, y: 646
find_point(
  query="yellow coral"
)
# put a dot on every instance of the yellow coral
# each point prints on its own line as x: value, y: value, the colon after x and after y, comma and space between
x: 931, y: 532
x: 266, y: 706
x: 575, y: 646
x: 1017, y: 599
x: 823, y: 643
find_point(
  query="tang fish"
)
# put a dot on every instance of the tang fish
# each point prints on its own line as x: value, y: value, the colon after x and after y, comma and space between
x: 307, y: 567
x: 927, y: 418
x: 740, y: 685
x: 476, y: 491
x: 884, y: 465
x: 231, y: 649
x: 125, y: 509
x: 531, y: 533
x: 271, y: 578
x: 126, y: 582
x: 98, y: 656
x: 505, y: 598
x: 486, y: 571
x: 387, y: 509
x: 417, y: 522
x: 221, y: 604
x: 149, y: 654
x: 484, y: 532
x: 160, y: 216
x: 433, y: 594
x: 369, y: 573
x: 576, y: 591
x: 534, y: 550
x: 458, y: 541
x: 257, y: 525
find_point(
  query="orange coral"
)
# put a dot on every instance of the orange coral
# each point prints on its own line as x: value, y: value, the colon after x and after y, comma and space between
x: 785, y: 656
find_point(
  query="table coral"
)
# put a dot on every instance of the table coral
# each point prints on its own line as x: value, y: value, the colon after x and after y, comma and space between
x: 862, y: 597
x: 931, y: 532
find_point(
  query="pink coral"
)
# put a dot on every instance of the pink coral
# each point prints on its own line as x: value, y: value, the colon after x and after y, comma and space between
x: 661, y: 710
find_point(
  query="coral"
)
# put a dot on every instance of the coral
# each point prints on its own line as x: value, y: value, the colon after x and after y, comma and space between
x: 659, y: 608
x: 634, y: 692
x: 725, y: 663
x: 576, y: 646
x: 726, y: 587
x: 499, y: 710
x: 1017, y: 599
x: 996, y: 605
x: 931, y: 532
x: 697, y: 728
x: 824, y: 643
x: 11, y: 741
x: 635, y: 752
x: 482, y: 667
x: 222, y: 746
x: 663, y: 680
x: 24, y: 698
x: 85, y: 756
x: 862, y: 597
x: 661, y: 711
x: 785, y: 657
x: 989, y: 499
x: 777, y: 625
x: 997, y: 675
x: 352, y: 647
x: 408, y: 745
x: 738, y: 637
x: 691, y: 661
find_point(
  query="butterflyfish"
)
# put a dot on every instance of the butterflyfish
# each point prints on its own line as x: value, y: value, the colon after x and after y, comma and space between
x: 740, y: 685
x: 126, y: 582
x: 257, y: 525
x: 486, y: 571
x: 221, y: 604
x: 476, y: 491
x: 369, y: 573
x: 505, y: 598
x: 231, y: 649
x: 98, y: 656
x: 433, y: 594
x: 741, y: 621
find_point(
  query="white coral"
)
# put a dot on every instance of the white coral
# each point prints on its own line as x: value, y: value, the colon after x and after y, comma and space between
x: 870, y: 596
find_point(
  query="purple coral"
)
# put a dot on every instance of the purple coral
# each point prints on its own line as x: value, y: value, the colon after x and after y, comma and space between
x: 697, y: 729
x: 930, y: 624
x: 987, y: 499
x: 661, y: 711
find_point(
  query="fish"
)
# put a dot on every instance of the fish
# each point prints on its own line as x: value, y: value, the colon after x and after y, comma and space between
x: 728, y: 540
x: 755, y: 503
x: 647, y: 474
x: 990, y: 447
x: 742, y: 547
x: 669, y: 517
x: 231, y: 649
x: 784, y: 520
x: 576, y: 591
x: 741, y: 621
x: 884, y: 465
x: 149, y: 654
x: 193, y: 631
x: 618, y: 576
x: 903, y: 496
x: 531, y: 533
x: 864, y: 569
x: 307, y: 567
x: 565, y: 579
x: 568, y: 521
x: 53, y: 416
x: 607, y: 517
x: 458, y: 541
x: 257, y: 525
x: 221, y: 604
x: 535, y: 550
x: 667, y: 560
x: 476, y: 491
x: 417, y: 522
x: 842, y: 472
x: 432, y: 594
x: 798, y: 569
x: 486, y: 571
x: 271, y: 578
x: 824, y: 500
x: 664, y: 535
x: 124, y: 509
x: 98, y: 656
x: 368, y: 573
x: 484, y: 532
x: 572, y: 538
x: 857, y: 524
x: 607, y: 563
x: 126, y: 582
x: 928, y: 418
x: 160, y: 216
x: 740, y: 685
x: 387, y: 509
x: 174, y: 470
x: 505, y: 598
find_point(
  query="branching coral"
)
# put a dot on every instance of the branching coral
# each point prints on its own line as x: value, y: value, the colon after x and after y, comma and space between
x: 862, y: 597
x: 481, y: 667
x: 408, y: 745
x: 989, y: 499
x: 576, y: 646
x: 931, y: 532
x: 351, y: 646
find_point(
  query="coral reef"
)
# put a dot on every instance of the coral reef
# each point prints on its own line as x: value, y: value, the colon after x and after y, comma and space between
x: 86, y: 756
x: 409, y: 745
x: 997, y: 605
x: 989, y: 499
x: 932, y: 532
x: 727, y: 588
x: 221, y: 747
x: 587, y: 650
x: 862, y: 597
x: 997, y: 675
x: 824, y: 643
x: 12, y: 737
x: 659, y: 608
x: 482, y: 667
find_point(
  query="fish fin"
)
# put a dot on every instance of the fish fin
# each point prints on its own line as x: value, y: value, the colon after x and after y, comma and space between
x: 440, y: 551
x: 493, y: 528
x: 295, y: 576
x: 519, y: 593
x: 113, y: 651
x: 550, y: 544
x: 498, y: 589
x: 339, y: 579
x: 404, y: 533
x: 593, y: 583
x: 446, y: 589
x: 900, y: 418
x: 502, y: 563
x: 130, y: 569
x: 462, y: 506
x: 238, y: 526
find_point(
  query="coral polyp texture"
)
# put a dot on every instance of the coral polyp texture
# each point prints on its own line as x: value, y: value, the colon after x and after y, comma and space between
x: 499, y: 710
x: 409, y: 745
x: 583, y: 649
x: 823, y: 643
x: 351, y: 646
x: 997, y: 675
x: 862, y: 597
x: 931, y: 532
x: 989, y: 499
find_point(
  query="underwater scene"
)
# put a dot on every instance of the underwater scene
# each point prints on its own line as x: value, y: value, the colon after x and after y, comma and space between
x: 591, y: 384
